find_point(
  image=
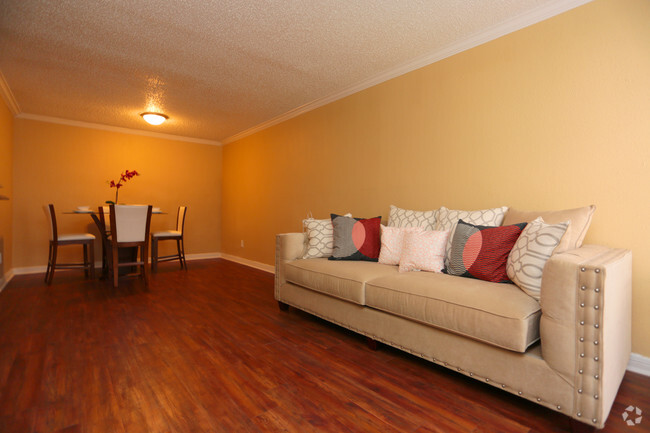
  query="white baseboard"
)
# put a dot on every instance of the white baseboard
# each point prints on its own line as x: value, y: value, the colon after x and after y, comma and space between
x: 639, y: 364
x: 30, y: 270
x: 4, y: 280
x: 250, y: 263
x: 203, y: 256
x: 98, y: 264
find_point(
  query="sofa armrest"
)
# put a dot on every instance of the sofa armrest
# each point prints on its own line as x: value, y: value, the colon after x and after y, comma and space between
x: 585, y: 326
x: 288, y: 246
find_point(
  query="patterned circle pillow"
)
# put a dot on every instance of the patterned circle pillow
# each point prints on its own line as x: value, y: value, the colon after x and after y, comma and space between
x: 482, y: 252
x: 448, y: 218
x: 356, y: 238
x: 534, y: 247
x: 423, y: 251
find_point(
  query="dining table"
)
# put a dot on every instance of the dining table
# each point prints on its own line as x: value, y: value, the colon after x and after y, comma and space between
x: 125, y: 254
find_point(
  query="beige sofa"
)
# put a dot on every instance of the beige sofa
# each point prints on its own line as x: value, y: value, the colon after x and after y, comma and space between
x: 567, y: 352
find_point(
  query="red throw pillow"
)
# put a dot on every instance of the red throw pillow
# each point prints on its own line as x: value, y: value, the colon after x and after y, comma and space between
x: 356, y: 238
x: 482, y: 252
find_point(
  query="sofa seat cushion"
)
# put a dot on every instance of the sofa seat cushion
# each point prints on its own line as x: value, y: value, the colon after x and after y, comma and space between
x: 342, y: 279
x: 494, y: 313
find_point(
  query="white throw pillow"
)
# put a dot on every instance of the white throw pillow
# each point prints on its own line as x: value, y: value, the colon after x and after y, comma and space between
x: 448, y: 219
x: 412, y: 218
x: 423, y: 251
x: 530, y: 253
x: 392, y: 239
x: 320, y: 237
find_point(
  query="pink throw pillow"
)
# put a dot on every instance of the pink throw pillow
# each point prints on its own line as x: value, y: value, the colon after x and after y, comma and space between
x: 424, y: 251
x: 391, y: 243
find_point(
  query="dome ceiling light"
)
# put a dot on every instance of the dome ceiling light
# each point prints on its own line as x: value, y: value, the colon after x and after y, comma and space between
x: 154, y: 118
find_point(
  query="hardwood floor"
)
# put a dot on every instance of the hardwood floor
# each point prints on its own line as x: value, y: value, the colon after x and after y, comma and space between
x: 208, y: 350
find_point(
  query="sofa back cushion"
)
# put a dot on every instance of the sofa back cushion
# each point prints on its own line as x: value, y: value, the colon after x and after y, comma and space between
x: 579, y: 222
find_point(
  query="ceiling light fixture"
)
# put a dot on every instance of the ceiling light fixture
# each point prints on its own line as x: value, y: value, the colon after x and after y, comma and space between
x: 154, y: 118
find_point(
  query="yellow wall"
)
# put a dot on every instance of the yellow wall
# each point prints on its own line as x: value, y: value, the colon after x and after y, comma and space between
x: 70, y: 166
x: 553, y: 116
x: 6, y: 160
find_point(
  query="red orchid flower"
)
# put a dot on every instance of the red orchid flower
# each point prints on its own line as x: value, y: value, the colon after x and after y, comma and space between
x: 123, y: 178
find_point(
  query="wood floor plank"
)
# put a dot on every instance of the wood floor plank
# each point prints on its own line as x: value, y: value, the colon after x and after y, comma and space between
x: 208, y: 350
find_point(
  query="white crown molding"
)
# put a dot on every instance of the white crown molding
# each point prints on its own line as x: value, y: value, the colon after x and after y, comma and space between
x: 8, y: 96
x: 119, y: 129
x: 529, y: 18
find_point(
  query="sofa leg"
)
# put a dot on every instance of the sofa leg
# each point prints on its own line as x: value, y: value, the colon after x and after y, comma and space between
x: 372, y: 344
x: 579, y: 427
x: 283, y: 306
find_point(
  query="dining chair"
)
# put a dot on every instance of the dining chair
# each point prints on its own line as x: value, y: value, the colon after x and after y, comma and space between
x: 170, y: 235
x: 87, y: 240
x: 104, y: 226
x: 129, y: 229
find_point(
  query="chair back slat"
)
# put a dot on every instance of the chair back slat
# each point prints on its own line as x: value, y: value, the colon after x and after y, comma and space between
x: 180, y: 218
x: 51, y: 216
x: 105, y: 217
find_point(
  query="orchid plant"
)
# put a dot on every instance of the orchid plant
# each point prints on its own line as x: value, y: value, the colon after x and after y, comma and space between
x: 117, y: 185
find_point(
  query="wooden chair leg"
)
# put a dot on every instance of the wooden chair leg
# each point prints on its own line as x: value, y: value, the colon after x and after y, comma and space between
x: 178, y: 249
x: 86, y: 266
x: 183, y: 253
x: 53, y: 266
x: 105, y: 259
x: 92, y: 260
x: 115, y: 263
x: 49, y: 262
x: 145, y: 262
x: 154, y: 254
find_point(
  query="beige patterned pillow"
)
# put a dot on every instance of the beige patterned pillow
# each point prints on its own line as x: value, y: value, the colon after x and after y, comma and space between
x: 320, y: 237
x: 412, y: 218
x: 534, y: 247
x: 448, y: 219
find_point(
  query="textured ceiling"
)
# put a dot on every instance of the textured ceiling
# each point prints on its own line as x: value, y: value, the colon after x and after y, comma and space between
x: 221, y: 67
